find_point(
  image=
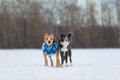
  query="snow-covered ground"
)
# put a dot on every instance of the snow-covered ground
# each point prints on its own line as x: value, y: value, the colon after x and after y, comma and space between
x: 88, y: 64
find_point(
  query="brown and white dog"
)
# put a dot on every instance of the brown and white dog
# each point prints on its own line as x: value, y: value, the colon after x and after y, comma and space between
x: 50, y: 47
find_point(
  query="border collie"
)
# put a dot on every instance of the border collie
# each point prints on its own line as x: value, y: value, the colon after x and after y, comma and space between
x: 65, y: 48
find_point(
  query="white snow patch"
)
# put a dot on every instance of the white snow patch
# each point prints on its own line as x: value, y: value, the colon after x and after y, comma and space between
x: 88, y: 64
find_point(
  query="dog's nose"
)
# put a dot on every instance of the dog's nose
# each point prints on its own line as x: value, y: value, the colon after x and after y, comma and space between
x: 66, y: 40
x: 49, y: 42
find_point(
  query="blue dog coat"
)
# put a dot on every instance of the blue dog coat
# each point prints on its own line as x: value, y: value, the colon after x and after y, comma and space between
x: 50, y: 50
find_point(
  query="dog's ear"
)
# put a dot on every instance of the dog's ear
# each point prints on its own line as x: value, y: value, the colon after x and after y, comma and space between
x: 61, y: 35
x: 52, y: 34
x: 46, y: 34
x: 69, y: 34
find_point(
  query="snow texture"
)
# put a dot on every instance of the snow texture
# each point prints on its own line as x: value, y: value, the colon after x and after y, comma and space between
x: 88, y: 64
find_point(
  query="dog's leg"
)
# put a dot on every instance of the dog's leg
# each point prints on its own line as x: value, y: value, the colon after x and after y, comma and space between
x: 45, y: 59
x: 70, y: 54
x: 51, y: 61
x: 70, y: 61
x: 62, y: 58
x: 57, y: 59
x: 66, y: 59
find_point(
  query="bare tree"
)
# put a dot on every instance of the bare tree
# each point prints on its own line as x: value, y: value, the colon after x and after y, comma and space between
x: 91, y: 23
x: 117, y: 3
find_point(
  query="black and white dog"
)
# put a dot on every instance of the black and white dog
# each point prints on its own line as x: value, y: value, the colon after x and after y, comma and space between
x: 65, y: 48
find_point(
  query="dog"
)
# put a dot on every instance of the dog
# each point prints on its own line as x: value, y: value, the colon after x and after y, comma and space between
x: 50, y: 47
x: 65, y: 48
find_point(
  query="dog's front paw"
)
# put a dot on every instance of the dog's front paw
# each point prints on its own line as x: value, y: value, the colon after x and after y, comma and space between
x: 45, y: 64
x: 66, y: 65
x: 58, y: 65
x: 51, y: 65
x: 70, y: 64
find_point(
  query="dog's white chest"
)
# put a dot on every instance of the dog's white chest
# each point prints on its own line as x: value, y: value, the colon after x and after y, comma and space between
x: 65, y: 45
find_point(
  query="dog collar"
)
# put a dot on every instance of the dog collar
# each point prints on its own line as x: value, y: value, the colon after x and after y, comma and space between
x: 50, y: 50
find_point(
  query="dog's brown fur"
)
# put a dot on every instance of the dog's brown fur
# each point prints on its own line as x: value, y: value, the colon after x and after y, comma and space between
x: 51, y: 38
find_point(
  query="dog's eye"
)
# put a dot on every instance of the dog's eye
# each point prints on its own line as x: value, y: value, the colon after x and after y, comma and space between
x: 51, y: 38
x: 46, y: 38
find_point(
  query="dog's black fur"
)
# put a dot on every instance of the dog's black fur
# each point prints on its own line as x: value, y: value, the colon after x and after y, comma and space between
x: 65, y: 48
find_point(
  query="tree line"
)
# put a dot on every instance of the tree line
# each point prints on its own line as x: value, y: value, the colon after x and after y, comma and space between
x: 23, y: 23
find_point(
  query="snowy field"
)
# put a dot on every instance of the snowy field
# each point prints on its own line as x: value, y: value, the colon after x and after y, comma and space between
x: 88, y: 64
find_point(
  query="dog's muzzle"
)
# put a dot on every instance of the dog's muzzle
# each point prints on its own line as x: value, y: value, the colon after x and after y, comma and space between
x: 49, y: 42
